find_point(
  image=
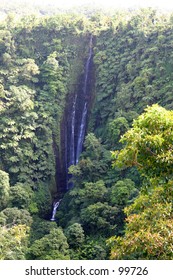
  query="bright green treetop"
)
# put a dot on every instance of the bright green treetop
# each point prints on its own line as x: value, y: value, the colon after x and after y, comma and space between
x: 149, y: 143
x: 148, y: 229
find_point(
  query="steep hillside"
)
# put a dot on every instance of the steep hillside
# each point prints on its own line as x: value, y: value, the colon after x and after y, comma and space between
x: 70, y: 87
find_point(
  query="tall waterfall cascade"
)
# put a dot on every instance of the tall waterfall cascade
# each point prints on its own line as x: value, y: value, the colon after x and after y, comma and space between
x: 72, y: 140
x: 74, y: 123
x: 81, y: 133
x: 81, y: 117
x: 73, y: 128
x: 82, y: 127
x: 77, y: 115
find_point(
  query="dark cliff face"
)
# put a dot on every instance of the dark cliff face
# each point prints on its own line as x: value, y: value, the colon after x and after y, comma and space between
x: 74, y: 123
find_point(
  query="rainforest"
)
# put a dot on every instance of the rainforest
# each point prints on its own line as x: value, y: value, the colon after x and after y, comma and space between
x: 86, y: 135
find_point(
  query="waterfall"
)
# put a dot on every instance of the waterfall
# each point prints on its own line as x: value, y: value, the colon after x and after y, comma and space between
x: 73, y: 125
x: 81, y: 133
x: 55, y: 207
x: 88, y: 65
x: 82, y: 126
x: 73, y: 129
x: 72, y: 140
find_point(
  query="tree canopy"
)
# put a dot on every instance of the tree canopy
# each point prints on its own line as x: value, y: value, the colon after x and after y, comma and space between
x: 149, y: 144
x: 148, y: 229
x: 116, y: 202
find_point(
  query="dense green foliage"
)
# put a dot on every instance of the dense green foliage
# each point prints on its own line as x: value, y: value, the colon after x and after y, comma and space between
x: 120, y: 205
x: 149, y: 144
x: 148, y: 232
